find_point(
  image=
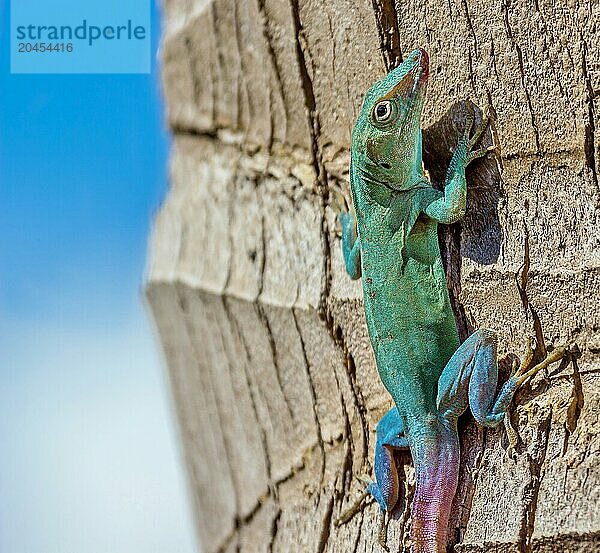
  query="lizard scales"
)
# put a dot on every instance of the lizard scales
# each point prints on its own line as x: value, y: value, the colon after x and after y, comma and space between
x: 392, y: 242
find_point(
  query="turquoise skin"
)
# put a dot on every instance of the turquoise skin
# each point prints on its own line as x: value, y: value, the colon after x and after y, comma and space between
x: 392, y: 242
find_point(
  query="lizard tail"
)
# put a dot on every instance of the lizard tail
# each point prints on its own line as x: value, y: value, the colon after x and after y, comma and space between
x: 436, y: 462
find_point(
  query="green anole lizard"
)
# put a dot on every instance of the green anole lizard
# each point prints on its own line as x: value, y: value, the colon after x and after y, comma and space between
x: 392, y: 242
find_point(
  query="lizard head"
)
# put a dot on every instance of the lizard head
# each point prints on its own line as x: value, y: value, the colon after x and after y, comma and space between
x: 386, y: 139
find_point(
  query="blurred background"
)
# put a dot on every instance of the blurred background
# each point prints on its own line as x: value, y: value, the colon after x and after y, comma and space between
x: 90, y: 459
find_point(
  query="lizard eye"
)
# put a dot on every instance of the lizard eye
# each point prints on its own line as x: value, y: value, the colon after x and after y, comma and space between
x: 382, y: 111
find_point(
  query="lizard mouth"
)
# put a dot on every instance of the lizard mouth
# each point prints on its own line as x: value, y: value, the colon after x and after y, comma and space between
x: 413, y: 81
x: 423, y: 58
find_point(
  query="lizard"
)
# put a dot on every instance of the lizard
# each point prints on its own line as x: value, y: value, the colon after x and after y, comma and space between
x: 390, y: 239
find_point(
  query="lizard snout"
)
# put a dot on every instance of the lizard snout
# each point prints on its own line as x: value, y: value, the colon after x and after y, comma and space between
x: 422, y: 57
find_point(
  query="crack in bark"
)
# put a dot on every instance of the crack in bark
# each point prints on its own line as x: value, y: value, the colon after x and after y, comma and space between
x: 405, y: 522
x: 540, y: 346
x: 228, y: 446
x: 450, y: 245
x: 273, y: 347
x: 241, y: 76
x: 333, y: 43
x: 359, y: 533
x: 347, y: 464
x: 493, y: 58
x: 268, y: 36
x: 313, y: 395
x: 519, y: 52
x: 576, y: 404
x: 465, y: 6
x: 326, y: 530
x: 532, y: 488
x: 317, y: 159
x: 589, y: 144
x: 263, y: 261
x: 358, y: 401
x: 274, y: 529
x: 427, y: 28
x: 471, y: 73
x: 386, y: 17
x: 310, y: 102
x: 196, y: 87
x: 235, y: 324
x: 220, y: 57
x: 327, y: 271
x: 210, y: 134
x: 230, y: 237
x: 471, y: 486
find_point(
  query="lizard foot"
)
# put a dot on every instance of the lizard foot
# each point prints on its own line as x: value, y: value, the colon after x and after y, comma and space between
x: 358, y: 505
x: 382, y: 532
x: 526, y: 371
x: 513, y: 437
x: 471, y: 140
x: 522, y: 372
x: 339, y: 204
x: 511, y: 433
x: 343, y: 211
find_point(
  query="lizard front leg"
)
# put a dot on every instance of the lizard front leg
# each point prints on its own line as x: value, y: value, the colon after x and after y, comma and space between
x: 452, y: 205
x: 350, y: 244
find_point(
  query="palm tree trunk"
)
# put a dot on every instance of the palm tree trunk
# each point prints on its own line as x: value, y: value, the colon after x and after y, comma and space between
x: 270, y: 366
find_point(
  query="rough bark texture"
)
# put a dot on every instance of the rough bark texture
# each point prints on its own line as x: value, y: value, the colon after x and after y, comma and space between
x: 264, y: 335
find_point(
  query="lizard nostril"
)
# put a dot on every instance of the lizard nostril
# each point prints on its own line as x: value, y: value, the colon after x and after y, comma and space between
x: 386, y: 165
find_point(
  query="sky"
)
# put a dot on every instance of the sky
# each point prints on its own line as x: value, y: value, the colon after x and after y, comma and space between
x: 90, y: 455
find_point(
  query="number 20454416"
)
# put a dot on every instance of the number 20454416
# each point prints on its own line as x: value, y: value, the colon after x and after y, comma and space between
x: 42, y: 47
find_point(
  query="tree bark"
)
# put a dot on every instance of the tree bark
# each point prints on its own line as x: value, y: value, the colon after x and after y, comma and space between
x: 270, y: 365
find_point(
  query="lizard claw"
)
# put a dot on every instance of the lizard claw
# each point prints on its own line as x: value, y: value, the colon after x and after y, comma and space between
x: 349, y: 513
x: 527, y: 371
x: 358, y: 504
x: 469, y: 121
x: 365, y: 479
x: 514, y: 366
x: 523, y: 371
x: 472, y: 134
x: 339, y: 203
x: 342, y: 210
x: 513, y: 437
x: 382, y: 533
x: 481, y: 128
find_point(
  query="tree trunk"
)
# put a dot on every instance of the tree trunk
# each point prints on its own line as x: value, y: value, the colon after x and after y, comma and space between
x: 264, y: 335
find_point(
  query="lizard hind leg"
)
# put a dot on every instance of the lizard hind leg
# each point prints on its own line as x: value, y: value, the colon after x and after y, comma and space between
x: 390, y: 437
x: 385, y: 489
x: 470, y: 379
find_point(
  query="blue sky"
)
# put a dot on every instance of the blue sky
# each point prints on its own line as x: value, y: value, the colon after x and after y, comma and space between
x: 90, y: 453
